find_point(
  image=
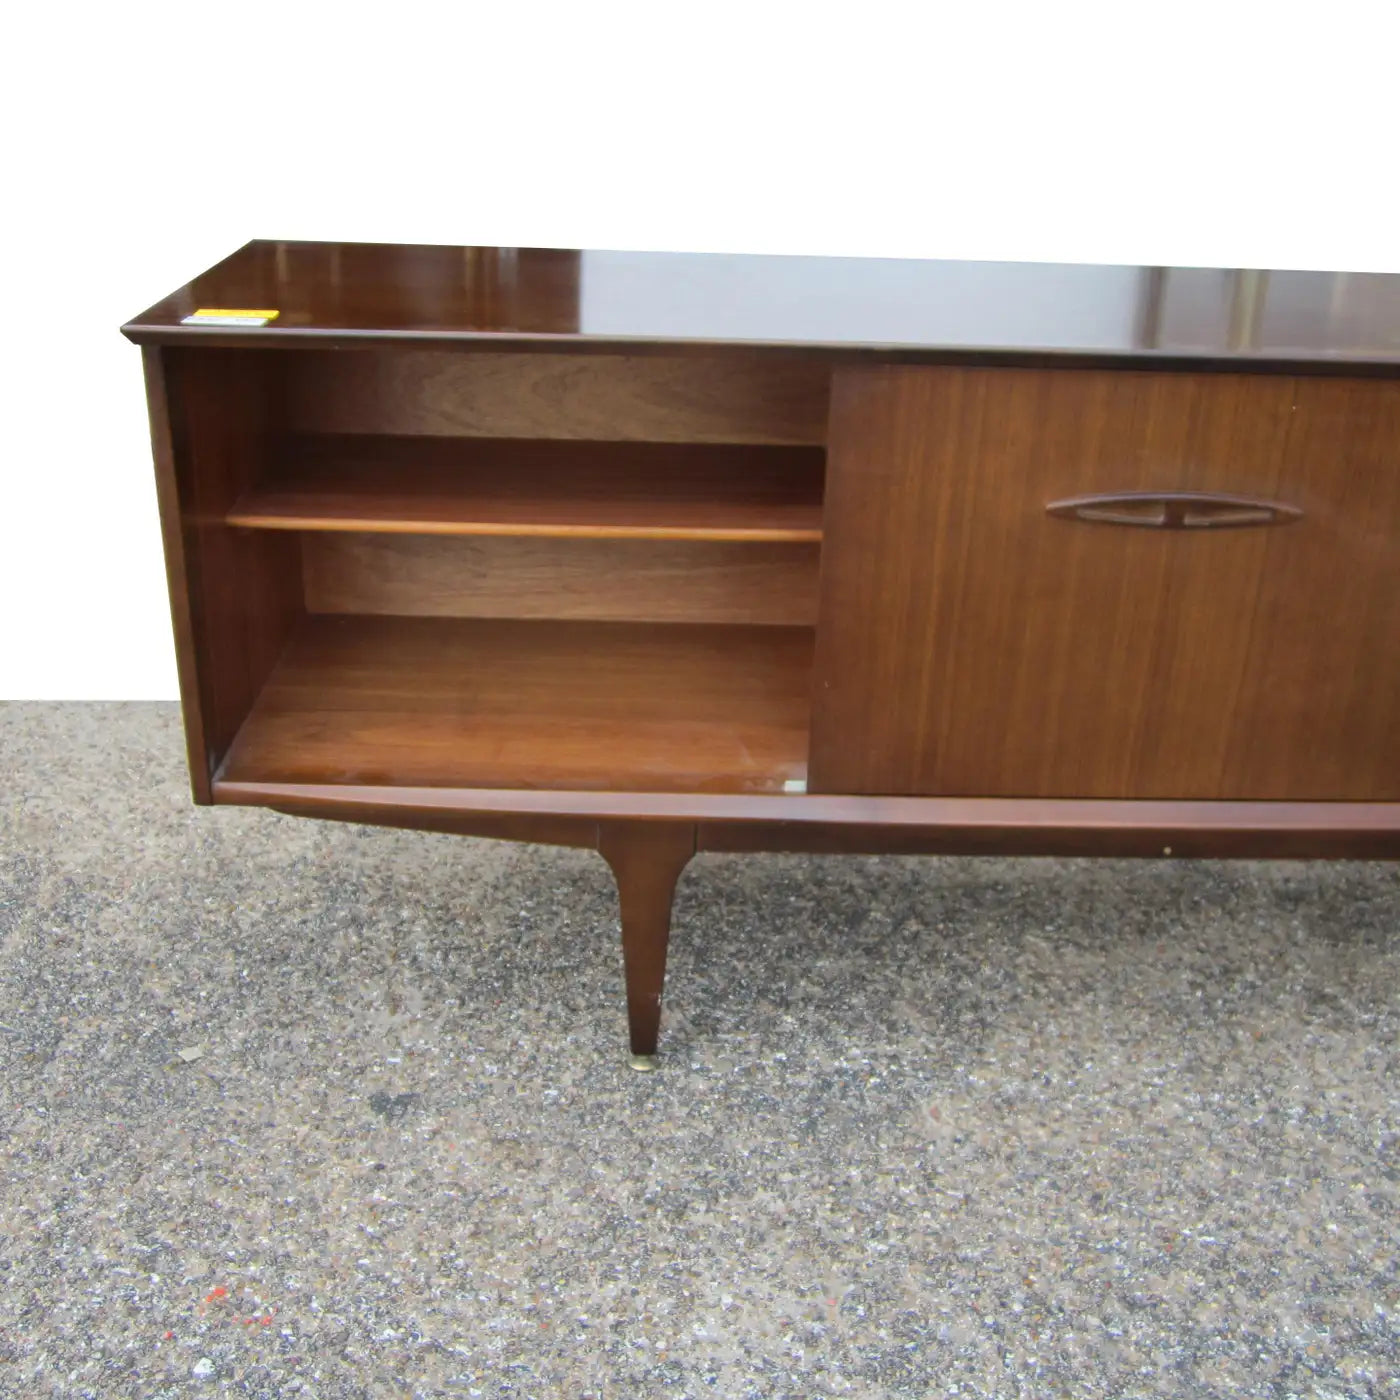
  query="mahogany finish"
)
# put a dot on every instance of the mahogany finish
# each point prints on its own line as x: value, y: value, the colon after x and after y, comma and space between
x: 602, y: 398
x: 582, y: 579
x: 879, y: 309
x: 485, y: 486
x: 647, y: 859
x: 989, y: 649
x: 483, y: 703
x: 602, y: 549
x: 242, y: 591
x: 178, y: 571
x: 895, y: 825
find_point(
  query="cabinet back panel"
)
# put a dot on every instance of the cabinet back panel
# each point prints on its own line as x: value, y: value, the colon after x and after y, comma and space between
x: 602, y: 580
x: 607, y: 397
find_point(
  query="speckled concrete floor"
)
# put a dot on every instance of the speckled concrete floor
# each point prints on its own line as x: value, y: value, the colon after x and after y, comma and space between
x: 972, y: 1128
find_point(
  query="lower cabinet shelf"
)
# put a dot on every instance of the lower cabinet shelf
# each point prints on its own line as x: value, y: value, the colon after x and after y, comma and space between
x: 451, y: 702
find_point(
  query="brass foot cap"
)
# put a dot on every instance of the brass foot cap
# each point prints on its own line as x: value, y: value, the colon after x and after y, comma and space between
x: 643, y: 1063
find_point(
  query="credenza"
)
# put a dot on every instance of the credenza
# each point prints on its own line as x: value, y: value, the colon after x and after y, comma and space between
x: 666, y: 553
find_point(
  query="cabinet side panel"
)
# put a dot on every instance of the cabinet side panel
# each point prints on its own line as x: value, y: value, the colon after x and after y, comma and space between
x: 176, y: 571
x: 243, y: 587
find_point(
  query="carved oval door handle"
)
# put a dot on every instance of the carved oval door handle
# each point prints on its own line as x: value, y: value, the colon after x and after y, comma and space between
x: 1174, y: 510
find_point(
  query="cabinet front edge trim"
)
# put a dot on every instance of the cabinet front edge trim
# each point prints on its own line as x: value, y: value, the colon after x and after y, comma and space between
x: 991, y: 814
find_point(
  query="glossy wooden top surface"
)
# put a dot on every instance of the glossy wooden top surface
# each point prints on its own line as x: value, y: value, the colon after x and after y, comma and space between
x: 844, y: 307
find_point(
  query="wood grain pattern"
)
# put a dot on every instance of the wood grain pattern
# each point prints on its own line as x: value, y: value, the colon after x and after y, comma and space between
x: 1317, y: 833
x: 972, y: 645
x: 577, y: 579
x: 476, y: 486
x: 943, y: 825
x: 530, y: 544
x: 244, y: 589
x: 1319, y: 695
x: 177, y: 573
x: 601, y: 397
x: 532, y: 704
x: 541, y: 828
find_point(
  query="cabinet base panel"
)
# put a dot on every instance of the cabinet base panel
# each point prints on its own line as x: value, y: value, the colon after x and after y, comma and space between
x: 864, y: 825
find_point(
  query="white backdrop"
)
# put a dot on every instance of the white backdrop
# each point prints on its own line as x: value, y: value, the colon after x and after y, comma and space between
x: 150, y: 139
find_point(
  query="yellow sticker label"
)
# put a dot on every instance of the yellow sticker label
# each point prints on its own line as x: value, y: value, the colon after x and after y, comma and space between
x: 224, y: 316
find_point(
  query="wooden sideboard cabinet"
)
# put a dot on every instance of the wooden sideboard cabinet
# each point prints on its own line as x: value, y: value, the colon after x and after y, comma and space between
x: 666, y: 553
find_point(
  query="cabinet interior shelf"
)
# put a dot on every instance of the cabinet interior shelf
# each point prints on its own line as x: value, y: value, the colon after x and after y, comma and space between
x: 416, y: 701
x: 500, y: 486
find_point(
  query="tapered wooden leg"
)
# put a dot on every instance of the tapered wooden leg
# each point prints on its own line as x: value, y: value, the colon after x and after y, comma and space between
x: 647, y: 859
